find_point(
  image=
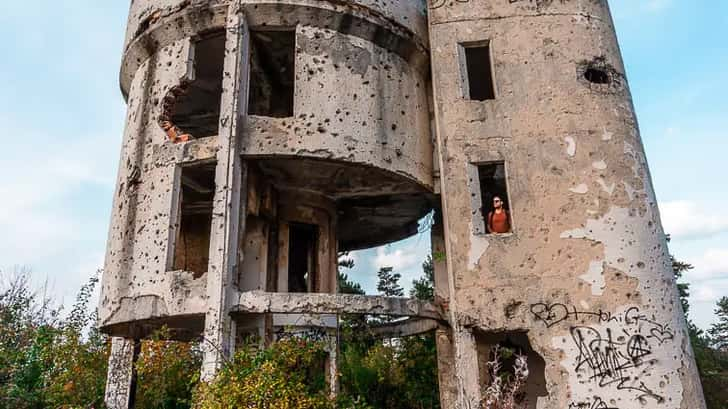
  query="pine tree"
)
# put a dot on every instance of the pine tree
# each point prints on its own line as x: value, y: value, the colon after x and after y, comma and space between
x: 719, y: 331
x: 424, y: 288
x: 388, y: 284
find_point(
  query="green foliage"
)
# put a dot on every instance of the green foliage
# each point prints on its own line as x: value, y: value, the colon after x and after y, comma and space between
x: 424, y: 288
x: 712, y: 361
x: 719, y: 330
x: 167, y: 372
x: 287, y: 375
x: 45, y: 362
x: 399, y: 373
x: 347, y: 286
x: 388, y: 284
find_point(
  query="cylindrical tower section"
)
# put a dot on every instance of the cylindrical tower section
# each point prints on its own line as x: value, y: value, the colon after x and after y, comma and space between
x: 553, y: 237
x: 260, y: 132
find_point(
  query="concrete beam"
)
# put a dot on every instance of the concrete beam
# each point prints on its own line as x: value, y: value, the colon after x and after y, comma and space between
x: 259, y: 302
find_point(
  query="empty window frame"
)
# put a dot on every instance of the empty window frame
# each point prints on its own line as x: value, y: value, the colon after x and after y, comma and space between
x: 302, y: 260
x: 197, y: 108
x: 493, y: 191
x: 504, y: 348
x: 477, y: 71
x: 192, y: 241
x: 272, y: 73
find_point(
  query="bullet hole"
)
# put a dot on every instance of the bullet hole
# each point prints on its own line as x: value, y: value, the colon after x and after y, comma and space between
x: 597, y: 76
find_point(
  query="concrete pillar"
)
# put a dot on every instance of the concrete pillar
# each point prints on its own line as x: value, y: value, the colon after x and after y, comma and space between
x: 467, y: 376
x: 228, y: 205
x: 120, y: 379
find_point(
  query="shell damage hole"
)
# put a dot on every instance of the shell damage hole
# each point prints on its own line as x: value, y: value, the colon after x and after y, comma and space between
x: 597, y: 76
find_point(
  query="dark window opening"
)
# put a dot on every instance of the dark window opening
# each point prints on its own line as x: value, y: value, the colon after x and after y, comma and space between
x: 504, y: 349
x: 302, y: 257
x: 195, y: 105
x: 272, y: 73
x: 596, y: 76
x: 192, y: 244
x: 479, y: 72
x: 494, y: 198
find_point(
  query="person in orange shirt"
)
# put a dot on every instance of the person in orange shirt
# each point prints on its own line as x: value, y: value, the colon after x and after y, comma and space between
x: 498, y: 220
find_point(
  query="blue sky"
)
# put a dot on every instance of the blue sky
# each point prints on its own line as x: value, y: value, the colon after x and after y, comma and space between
x: 61, y: 120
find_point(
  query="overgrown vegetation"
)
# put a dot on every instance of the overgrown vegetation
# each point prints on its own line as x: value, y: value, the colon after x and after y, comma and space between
x: 51, y: 359
x: 711, y: 349
x: 287, y: 375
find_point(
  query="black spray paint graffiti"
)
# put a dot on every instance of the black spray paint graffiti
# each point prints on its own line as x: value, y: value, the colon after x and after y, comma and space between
x: 609, y: 358
x: 308, y: 334
x: 598, y: 403
x: 436, y: 4
x: 553, y: 314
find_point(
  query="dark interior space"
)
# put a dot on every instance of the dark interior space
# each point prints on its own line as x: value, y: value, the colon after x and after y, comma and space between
x: 596, y: 76
x: 192, y: 246
x: 197, y: 110
x: 272, y: 73
x: 479, y: 71
x: 302, y: 257
x: 492, y: 178
x: 509, y: 346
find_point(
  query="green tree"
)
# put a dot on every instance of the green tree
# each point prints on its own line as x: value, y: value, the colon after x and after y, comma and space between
x: 288, y: 374
x: 388, y: 284
x: 719, y: 331
x: 424, y: 288
x: 712, y: 363
x: 167, y: 372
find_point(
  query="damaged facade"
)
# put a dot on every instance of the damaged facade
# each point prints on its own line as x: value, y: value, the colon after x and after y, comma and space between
x: 264, y: 137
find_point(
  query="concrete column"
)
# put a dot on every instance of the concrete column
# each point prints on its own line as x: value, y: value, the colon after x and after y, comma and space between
x: 467, y: 376
x: 120, y: 379
x: 228, y: 206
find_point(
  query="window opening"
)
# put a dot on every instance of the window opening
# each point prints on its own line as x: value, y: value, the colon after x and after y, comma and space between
x: 479, y: 77
x: 192, y: 244
x: 302, y: 246
x: 498, y: 355
x: 192, y: 109
x: 494, y: 198
x: 272, y: 73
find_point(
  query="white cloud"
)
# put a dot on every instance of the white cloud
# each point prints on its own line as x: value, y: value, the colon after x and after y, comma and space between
x: 712, y: 264
x: 398, y: 259
x: 687, y: 219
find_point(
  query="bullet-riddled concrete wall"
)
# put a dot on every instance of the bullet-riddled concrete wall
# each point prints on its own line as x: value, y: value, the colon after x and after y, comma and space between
x: 585, y: 273
x: 360, y: 114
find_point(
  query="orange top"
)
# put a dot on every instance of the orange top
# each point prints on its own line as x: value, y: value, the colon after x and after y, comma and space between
x: 498, y: 222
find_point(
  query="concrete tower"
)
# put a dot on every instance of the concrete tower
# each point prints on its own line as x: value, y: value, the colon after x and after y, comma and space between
x: 264, y: 137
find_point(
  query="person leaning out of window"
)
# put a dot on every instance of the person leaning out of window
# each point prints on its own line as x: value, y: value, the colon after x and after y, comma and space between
x: 498, y: 220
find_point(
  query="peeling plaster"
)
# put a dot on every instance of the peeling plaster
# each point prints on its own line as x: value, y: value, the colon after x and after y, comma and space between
x: 595, y: 277
x: 621, y: 231
x: 570, y: 146
x: 478, y: 246
x: 580, y: 189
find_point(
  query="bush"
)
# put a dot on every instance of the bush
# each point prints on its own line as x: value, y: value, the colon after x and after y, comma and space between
x: 287, y: 375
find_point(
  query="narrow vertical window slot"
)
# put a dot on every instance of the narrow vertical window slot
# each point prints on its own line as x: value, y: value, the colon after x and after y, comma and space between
x: 192, y: 243
x: 302, y: 246
x: 272, y: 73
x: 479, y: 83
x: 494, y: 198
